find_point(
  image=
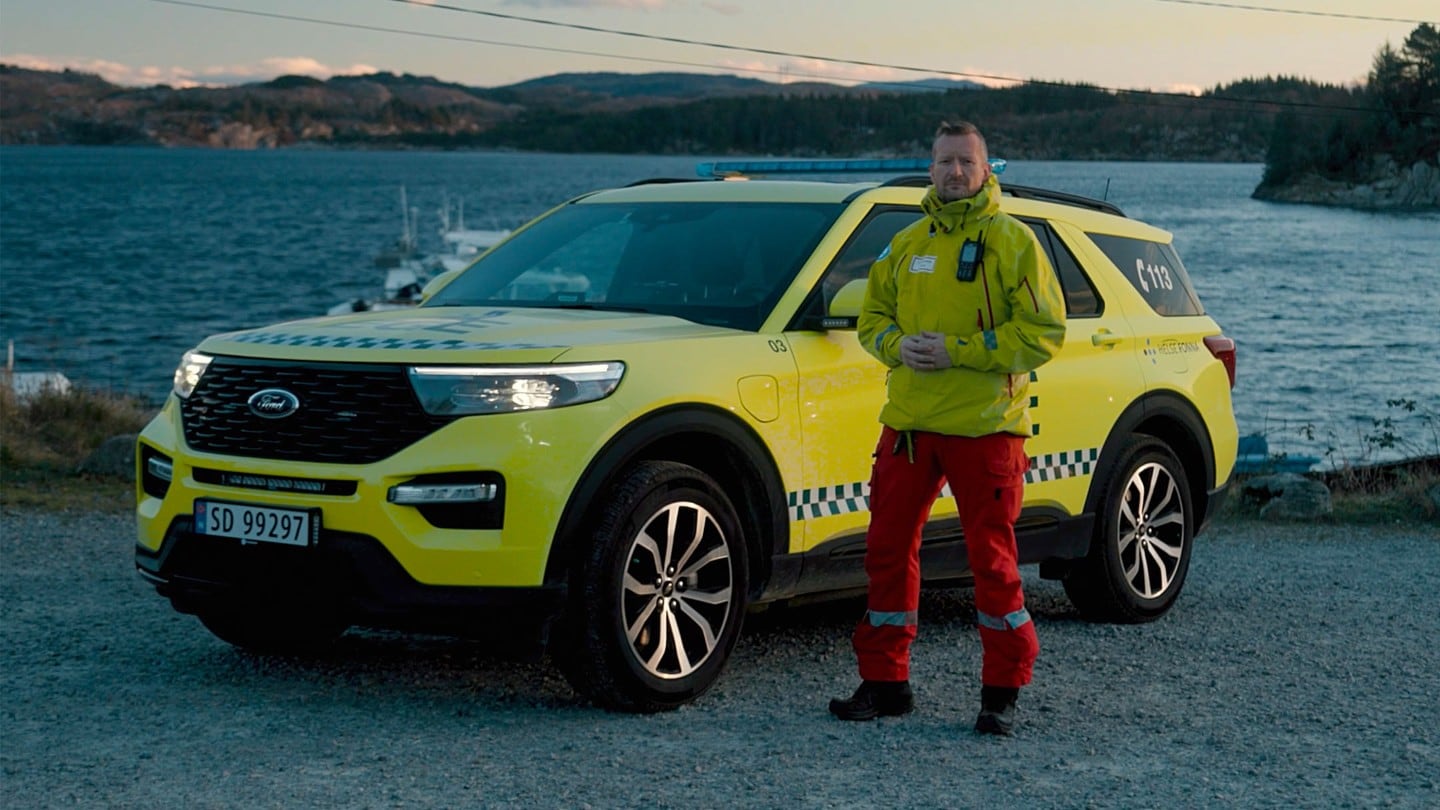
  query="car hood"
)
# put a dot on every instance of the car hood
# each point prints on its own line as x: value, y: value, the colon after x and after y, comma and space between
x: 453, y: 335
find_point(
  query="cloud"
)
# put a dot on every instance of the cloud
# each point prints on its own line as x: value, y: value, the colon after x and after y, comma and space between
x: 268, y: 68
x: 819, y: 70
x: 213, y: 75
x: 113, y: 72
x: 1184, y: 89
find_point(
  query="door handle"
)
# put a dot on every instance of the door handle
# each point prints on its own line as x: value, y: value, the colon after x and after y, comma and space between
x: 1105, y: 338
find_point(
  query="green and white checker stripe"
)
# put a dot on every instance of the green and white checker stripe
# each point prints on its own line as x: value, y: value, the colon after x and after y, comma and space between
x: 840, y: 499
x: 370, y: 342
x: 1067, y: 464
x: 843, y: 499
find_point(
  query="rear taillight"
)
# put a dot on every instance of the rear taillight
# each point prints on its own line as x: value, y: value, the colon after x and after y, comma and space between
x: 1224, y: 350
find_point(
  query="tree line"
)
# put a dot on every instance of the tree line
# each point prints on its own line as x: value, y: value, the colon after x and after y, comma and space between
x: 1036, y: 121
x: 1396, y: 116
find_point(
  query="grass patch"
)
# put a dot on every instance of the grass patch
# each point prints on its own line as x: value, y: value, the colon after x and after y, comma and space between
x: 45, y: 436
x: 1379, y: 494
x: 1398, y: 492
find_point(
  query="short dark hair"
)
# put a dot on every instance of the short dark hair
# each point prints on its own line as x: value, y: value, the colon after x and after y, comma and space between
x: 947, y: 128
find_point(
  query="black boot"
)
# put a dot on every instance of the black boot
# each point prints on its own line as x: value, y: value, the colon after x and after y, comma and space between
x: 997, y: 710
x: 875, y: 699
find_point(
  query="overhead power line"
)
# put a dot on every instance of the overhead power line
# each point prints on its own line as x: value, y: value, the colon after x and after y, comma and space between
x: 428, y: 4
x: 786, y: 72
x: 1302, y: 12
x: 724, y: 46
x: 1148, y: 94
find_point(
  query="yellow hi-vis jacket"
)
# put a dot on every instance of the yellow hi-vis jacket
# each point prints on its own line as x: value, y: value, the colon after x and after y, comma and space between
x: 1005, y: 322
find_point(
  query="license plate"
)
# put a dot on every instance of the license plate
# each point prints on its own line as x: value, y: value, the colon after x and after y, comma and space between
x: 257, y: 524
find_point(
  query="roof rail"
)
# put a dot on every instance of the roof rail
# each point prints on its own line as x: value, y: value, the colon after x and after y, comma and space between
x: 908, y: 181
x: 1021, y: 192
x: 1046, y: 195
x: 741, y: 168
x: 650, y: 181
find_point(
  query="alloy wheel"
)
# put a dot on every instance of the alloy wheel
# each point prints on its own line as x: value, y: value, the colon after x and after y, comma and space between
x: 678, y: 585
x: 1151, y: 530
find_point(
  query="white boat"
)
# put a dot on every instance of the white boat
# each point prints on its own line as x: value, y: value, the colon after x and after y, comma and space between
x: 407, y: 270
x: 463, y: 244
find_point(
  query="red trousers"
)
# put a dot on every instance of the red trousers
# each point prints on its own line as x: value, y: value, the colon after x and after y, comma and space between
x: 987, y: 478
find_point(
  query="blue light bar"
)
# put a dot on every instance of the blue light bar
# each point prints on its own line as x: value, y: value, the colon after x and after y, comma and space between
x: 878, y: 165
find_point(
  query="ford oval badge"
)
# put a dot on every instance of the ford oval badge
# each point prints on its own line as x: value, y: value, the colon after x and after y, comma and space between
x: 273, y: 403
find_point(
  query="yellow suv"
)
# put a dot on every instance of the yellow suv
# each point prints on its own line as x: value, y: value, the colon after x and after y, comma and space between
x: 646, y: 413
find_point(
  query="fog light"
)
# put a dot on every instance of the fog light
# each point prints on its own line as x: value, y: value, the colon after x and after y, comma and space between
x: 421, y: 494
x: 161, y: 468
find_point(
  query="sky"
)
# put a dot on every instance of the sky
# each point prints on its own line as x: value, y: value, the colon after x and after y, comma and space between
x: 1166, y: 45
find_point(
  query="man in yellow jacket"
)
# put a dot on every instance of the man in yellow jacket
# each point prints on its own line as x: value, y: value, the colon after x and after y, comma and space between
x: 961, y: 306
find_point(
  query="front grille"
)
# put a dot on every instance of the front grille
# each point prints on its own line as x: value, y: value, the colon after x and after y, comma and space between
x: 274, y: 483
x: 348, y: 413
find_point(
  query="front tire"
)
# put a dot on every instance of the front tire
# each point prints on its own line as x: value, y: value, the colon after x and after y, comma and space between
x: 659, y: 595
x: 1140, y: 552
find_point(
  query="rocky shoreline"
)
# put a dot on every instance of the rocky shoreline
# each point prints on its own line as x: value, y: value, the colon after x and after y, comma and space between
x: 1396, y: 188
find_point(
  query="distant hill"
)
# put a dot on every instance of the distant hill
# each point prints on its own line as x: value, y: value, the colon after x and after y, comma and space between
x: 654, y: 113
x: 43, y: 107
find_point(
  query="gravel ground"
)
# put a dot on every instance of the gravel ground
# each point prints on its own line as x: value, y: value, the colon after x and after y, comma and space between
x: 1299, y: 668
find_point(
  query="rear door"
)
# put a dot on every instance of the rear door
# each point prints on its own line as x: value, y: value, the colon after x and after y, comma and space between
x: 1077, y: 397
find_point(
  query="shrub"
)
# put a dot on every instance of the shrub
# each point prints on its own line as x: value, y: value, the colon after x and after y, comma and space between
x: 53, y: 428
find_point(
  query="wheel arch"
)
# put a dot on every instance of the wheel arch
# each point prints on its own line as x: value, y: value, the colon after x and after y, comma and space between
x: 1174, y: 420
x: 703, y: 437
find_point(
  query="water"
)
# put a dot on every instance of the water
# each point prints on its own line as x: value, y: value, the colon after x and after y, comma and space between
x: 114, y: 261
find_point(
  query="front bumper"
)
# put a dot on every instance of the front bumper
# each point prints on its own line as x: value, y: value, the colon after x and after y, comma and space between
x: 534, y: 459
x: 348, y: 571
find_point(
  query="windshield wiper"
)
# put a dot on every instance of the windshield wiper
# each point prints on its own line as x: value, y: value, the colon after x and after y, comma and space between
x: 542, y: 305
x: 598, y: 307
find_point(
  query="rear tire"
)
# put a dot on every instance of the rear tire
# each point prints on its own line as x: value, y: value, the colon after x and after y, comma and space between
x: 658, y: 597
x: 1140, y: 552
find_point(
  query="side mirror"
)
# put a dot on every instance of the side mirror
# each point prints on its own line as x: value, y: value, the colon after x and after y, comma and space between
x: 433, y: 285
x: 844, y: 310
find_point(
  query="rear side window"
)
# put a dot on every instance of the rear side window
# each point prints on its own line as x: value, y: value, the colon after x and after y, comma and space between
x: 1080, y: 298
x: 1155, y: 271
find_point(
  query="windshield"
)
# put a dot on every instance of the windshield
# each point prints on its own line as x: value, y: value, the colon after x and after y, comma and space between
x: 723, y: 264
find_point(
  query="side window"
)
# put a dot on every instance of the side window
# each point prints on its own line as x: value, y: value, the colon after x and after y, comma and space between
x: 864, y: 248
x: 1154, y: 270
x: 1080, y: 298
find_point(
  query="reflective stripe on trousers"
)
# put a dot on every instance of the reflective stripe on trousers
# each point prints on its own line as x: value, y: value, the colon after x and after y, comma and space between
x: 1009, y: 621
x: 901, y: 618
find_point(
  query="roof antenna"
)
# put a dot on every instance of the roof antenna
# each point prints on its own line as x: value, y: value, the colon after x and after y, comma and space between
x: 1106, y: 196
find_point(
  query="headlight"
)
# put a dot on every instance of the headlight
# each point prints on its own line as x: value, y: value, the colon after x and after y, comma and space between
x: 187, y: 375
x: 455, y: 391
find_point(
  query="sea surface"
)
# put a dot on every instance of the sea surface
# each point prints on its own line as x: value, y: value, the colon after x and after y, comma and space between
x: 114, y: 261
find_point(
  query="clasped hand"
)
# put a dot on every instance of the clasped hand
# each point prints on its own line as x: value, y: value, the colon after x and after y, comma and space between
x: 924, y: 352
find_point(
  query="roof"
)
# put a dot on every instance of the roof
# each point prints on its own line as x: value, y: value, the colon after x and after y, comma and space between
x: 731, y: 186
